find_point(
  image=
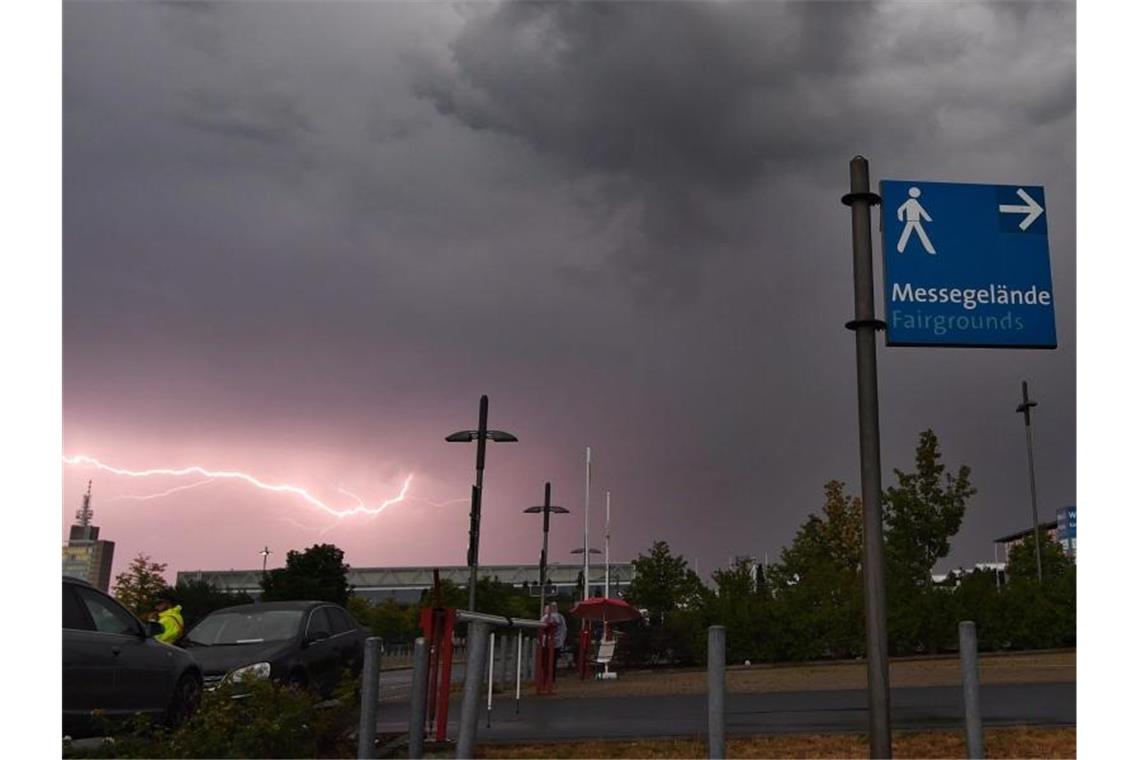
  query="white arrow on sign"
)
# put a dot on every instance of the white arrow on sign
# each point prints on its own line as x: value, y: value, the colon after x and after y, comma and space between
x: 1031, y: 209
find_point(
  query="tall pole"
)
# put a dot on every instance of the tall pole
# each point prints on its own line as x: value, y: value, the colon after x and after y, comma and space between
x: 860, y: 199
x: 1023, y: 409
x: 542, y: 558
x: 264, y: 558
x: 586, y: 543
x: 476, y: 502
x: 607, y: 544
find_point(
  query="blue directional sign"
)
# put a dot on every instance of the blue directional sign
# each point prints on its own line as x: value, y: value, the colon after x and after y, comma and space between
x: 966, y: 265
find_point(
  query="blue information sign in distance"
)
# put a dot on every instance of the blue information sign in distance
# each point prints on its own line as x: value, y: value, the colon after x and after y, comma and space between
x: 966, y: 265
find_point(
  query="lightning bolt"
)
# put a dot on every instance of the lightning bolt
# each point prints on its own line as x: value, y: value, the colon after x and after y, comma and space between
x: 360, y: 509
x: 176, y: 489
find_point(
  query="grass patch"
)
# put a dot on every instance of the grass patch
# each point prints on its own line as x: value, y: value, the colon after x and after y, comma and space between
x: 1017, y: 742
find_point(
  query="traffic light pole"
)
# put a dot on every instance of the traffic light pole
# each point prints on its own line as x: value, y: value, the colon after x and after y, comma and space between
x: 860, y: 199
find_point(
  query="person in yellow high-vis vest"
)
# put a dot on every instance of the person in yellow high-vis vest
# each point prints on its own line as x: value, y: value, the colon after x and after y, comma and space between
x: 169, y: 615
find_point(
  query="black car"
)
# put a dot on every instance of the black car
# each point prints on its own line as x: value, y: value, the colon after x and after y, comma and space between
x: 112, y: 664
x: 309, y: 644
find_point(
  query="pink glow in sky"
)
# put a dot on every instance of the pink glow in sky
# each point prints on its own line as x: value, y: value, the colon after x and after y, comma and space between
x: 207, y: 515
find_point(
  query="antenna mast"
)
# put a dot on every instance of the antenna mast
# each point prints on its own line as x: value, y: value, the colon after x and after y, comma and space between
x: 85, y: 513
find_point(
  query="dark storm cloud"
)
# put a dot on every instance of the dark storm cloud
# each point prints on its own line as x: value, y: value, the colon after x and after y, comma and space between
x: 338, y: 224
x: 686, y: 102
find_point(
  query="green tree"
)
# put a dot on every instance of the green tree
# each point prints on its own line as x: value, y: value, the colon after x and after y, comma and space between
x: 920, y: 516
x: 817, y: 593
x: 1041, y: 615
x: 318, y: 573
x: 979, y: 598
x: 199, y: 598
x: 1022, y: 565
x: 674, y: 597
x: 139, y: 584
x: 741, y: 604
x: 663, y: 583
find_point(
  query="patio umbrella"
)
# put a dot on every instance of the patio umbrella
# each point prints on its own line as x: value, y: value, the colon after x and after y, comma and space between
x: 605, y: 610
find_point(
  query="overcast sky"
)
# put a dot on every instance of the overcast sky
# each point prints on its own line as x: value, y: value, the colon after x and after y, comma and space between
x: 300, y: 240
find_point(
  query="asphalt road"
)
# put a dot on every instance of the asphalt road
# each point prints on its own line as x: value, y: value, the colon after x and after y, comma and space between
x: 749, y: 714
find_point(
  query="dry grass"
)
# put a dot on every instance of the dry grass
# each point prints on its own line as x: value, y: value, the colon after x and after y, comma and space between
x: 999, y: 743
x: 927, y: 671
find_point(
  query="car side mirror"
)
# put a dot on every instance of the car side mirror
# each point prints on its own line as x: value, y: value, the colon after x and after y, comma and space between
x: 153, y: 628
x: 316, y: 636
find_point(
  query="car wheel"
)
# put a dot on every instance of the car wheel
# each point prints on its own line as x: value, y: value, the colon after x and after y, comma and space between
x: 183, y: 703
x: 297, y: 680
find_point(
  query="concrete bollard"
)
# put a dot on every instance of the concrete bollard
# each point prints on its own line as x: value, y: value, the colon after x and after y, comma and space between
x: 477, y: 634
x: 419, y: 700
x: 716, y: 691
x: 369, y: 697
x: 971, y: 688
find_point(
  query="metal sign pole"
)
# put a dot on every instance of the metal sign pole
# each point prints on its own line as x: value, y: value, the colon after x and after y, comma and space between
x: 860, y: 199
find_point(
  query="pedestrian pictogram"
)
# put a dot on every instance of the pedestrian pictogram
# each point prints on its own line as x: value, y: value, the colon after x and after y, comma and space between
x: 915, y: 215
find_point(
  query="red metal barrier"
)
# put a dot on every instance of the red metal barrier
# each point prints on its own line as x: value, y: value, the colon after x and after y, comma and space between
x: 438, y: 626
x: 545, y: 656
x: 583, y: 649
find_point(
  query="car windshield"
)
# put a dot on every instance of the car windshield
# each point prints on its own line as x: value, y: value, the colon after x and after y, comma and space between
x: 252, y: 627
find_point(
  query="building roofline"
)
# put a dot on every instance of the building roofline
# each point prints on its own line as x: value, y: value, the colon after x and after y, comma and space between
x: 1024, y: 533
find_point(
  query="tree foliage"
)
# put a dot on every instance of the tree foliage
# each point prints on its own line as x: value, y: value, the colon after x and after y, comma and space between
x: 318, y: 573
x: 923, y: 512
x: 139, y: 585
x: 817, y: 584
x: 921, y: 515
x: 199, y: 598
x: 663, y: 583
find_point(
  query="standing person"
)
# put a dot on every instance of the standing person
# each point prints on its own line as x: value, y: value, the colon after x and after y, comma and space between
x: 169, y: 614
x: 554, y: 617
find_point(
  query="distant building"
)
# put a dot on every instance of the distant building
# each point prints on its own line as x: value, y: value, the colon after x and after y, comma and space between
x: 1006, y: 543
x: 406, y: 584
x: 86, y: 556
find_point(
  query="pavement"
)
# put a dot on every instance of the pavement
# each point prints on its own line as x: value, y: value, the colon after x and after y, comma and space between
x: 838, y: 711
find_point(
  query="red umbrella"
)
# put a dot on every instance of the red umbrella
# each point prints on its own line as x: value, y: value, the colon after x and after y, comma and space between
x: 606, y: 610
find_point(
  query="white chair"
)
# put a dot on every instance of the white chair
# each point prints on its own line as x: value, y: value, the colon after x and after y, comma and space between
x: 604, y: 656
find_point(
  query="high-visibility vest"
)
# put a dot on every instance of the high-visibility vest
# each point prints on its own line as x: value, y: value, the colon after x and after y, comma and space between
x: 172, y: 625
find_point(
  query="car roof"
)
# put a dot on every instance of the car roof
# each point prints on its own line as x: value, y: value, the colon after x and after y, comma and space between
x: 264, y: 606
x: 77, y: 581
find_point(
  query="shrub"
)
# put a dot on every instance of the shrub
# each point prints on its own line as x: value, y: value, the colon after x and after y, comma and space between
x: 264, y: 719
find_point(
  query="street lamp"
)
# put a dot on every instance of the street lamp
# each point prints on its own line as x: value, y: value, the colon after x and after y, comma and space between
x: 480, y: 437
x: 1023, y: 408
x: 264, y: 558
x: 545, y: 509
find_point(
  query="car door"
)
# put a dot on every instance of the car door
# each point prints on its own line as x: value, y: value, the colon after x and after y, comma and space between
x: 88, y: 662
x: 141, y: 665
x: 348, y: 640
x: 320, y: 655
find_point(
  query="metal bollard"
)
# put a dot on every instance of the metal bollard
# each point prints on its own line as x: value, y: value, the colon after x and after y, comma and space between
x: 716, y: 691
x: 419, y: 700
x: 971, y: 688
x: 369, y: 696
x: 477, y: 633
x: 490, y: 676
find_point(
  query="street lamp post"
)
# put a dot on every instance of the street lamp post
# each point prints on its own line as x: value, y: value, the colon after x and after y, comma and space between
x: 607, y: 544
x: 1023, y: 409
x: 264, y: 558
x: 480, y: 437
x: 545, y: 509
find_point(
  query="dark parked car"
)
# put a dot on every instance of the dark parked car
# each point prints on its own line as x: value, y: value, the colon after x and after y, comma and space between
x: 309, y: 644
x: 112, y: 664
